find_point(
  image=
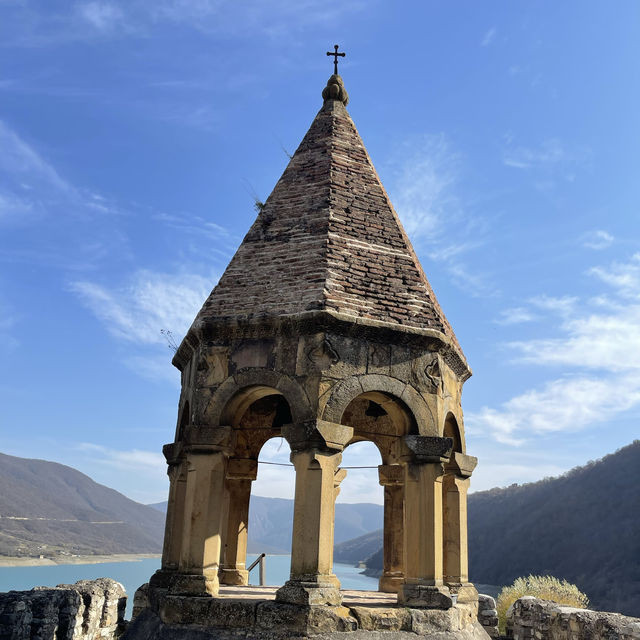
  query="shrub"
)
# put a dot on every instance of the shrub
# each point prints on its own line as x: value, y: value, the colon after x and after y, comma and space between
x: 543, y: 587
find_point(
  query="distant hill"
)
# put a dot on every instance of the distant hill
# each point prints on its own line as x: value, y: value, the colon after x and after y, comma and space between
x: 360, y: 549
x: 271, y: 521
x: 47, y: 508
x: 583, y: 526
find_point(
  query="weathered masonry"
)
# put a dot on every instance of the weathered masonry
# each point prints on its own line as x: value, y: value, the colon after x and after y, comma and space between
x: 323, y: 330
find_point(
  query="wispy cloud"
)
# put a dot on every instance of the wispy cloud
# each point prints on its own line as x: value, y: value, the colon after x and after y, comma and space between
x: 550, y: 152
x: 30, y: 184
x: 26, y: 178
x: 156, y: 367
x: 561, y: 405
x: 488, y: 37
x: 77, y: 227
x: 423, y: 184
x: 599, y: 349
x: 150, y: 302
x: 123, y: 459
x: 140, y: 474
x: 624, y: 277
x: 597, y: 239
x: 561, y: 305
x: 515, y: 315
x: 272, y: 19
x: 192, y: 224
x: 90, y: 19
x: 103, y: 16
x: 549, y: 161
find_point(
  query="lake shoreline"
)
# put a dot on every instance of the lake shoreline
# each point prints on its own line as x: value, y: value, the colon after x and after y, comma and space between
x: 23, y: 561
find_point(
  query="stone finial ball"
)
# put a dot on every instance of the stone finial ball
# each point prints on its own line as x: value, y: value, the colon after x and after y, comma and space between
x: 335, y: 90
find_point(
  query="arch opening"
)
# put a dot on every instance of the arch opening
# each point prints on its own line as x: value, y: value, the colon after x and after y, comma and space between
x: 451, y: 430
x: 271, y: 511
x: 260, y: 516
x: 359, y: 518
x: 257, y: 414
x: 382, y: 419
x: 253, y: 404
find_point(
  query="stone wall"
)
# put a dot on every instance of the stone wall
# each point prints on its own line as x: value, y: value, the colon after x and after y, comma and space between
x: 530, y: 618
x: 488, y: 615
x: 86, y: 610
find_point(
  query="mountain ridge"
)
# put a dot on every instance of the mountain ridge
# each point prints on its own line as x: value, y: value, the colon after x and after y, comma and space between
x: 49, y: 508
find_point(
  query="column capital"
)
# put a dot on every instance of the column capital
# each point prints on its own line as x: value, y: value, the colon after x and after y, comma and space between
x: 212, y: 438
x: 461, y: 464
x: 317, y: 434
x: 428, y: 448
x: 330, y: 460
x: 173, y: 453
x: 242, y: 469
x: 391, y: 474
x: 338, y: 477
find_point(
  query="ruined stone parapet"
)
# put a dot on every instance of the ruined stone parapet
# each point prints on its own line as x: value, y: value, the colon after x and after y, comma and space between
x: 532, y: 618
x: 488, y: 615
x: 86, y: 610
x: 171, y: 617
x: 140, y: 600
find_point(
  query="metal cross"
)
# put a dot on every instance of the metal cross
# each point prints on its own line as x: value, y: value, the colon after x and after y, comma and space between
x: 335, y: 55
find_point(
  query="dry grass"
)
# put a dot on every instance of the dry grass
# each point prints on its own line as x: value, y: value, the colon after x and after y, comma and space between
x: 543, y: 587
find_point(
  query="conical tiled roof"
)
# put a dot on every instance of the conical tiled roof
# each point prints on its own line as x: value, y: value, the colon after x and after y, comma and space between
x: 328, y: 238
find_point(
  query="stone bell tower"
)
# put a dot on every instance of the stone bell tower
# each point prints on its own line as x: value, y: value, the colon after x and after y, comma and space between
x: 324, y: 330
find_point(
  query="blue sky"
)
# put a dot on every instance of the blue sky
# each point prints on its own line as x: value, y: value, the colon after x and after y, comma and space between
x: 133, y: 136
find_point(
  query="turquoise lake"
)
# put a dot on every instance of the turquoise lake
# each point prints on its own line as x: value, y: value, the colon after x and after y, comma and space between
x: 133, y: 574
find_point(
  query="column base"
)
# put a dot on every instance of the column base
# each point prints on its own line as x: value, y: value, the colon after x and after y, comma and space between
x: 185, y: 584
x: 161, y: 579
x: 425, y: 596
x: 390, y: 582
x: 466, y: 592
x: 238, y: 577
x: 310, y: 593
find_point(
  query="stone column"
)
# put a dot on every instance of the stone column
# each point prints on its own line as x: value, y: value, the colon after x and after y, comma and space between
x: 175, y: 516
x: 392, y: 479
x: 456, y: 558
x: 240, y: 474
x: 316, y: 453
x: 176, y: 471
x: 198, y: 510
x: 202, y: 528
x: 423, y: 541
x: 338, y: 477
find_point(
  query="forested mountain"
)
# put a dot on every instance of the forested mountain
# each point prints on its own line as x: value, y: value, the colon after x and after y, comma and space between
x: 47, y: 508
x: 583, y: 526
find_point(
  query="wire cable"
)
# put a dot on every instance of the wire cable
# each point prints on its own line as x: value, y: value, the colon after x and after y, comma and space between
x: 285, y: 464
